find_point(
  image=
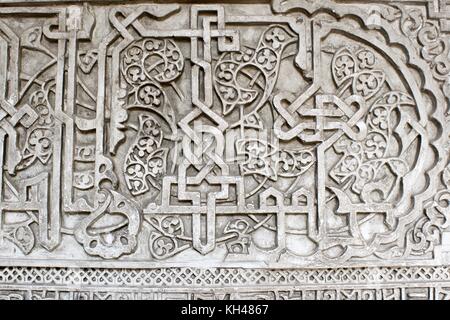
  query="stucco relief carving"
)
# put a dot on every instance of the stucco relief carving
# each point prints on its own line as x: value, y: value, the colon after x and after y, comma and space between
x: 287, y: 135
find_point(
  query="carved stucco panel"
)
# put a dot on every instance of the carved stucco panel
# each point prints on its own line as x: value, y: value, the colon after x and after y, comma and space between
x: 258, y: 140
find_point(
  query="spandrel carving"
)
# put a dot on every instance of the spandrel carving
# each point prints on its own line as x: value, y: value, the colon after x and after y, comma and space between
x: 286, y: 135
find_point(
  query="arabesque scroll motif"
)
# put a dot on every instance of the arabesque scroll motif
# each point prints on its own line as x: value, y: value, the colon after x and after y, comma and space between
x: 291, y: 134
